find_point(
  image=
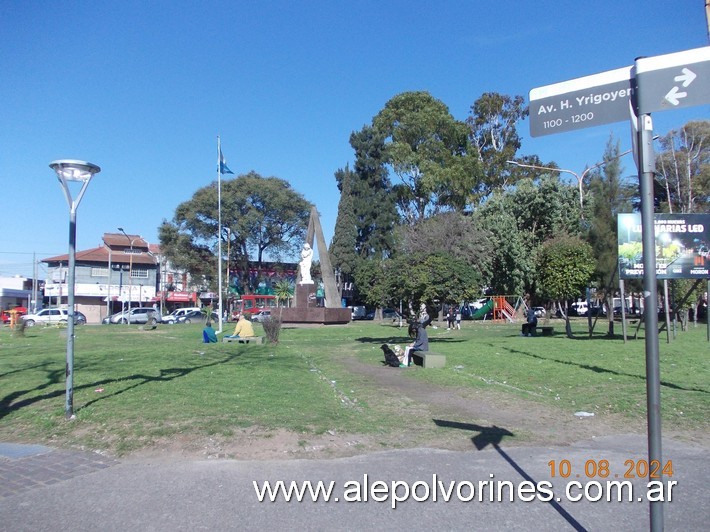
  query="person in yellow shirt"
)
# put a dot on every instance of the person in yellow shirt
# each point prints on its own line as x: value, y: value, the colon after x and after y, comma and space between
x: 244, y: 328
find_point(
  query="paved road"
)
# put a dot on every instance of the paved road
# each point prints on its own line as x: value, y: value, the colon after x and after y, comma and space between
x: 50, y: 489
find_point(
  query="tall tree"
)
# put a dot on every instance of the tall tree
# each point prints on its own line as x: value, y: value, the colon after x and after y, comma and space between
x: 428, y: 152
x: 494, y: 136
x: 609, y: 195
x: 450, y: 233
x: 521, y: 219
x: 683, y: 168
x: 343, y: 253
x: 419, y: 278
x: 264, y: 216
x: 565, y: 265
x: 373, y: 203
x: 511, y: 258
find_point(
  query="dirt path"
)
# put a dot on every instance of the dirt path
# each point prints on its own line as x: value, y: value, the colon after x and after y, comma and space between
x: 477, y: 417
x: 526, y: 421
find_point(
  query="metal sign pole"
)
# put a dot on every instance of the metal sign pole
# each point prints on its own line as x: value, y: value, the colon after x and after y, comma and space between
x: 646, y: 160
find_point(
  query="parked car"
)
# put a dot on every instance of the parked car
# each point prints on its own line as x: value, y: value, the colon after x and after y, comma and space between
x: 134, y: 315
x: 53, y: 315
x: 5, y: 314
x: 196, y: 316
x: 172, y: 318
x: 539, y: 311
x: 261, y: 316
x: 359, y: 312
x: 579, y: 308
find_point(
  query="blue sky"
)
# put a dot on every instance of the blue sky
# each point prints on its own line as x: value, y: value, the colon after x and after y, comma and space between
x: 143, y: 88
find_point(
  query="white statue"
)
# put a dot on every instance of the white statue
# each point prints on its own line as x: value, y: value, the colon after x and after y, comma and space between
x: 305, y: 264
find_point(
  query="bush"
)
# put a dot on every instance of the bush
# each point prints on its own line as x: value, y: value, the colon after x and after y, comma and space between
x: 272, y: 329
x: 19, y: 329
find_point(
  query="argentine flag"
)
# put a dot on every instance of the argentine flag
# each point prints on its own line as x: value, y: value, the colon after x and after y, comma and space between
x: 223, y: 169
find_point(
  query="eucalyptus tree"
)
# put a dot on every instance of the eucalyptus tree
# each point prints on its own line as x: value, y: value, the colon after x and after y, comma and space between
x: 683, y: 168
x: 494, y: 139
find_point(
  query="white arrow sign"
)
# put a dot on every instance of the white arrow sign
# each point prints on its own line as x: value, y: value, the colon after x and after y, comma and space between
x: 674, y: 94
x: 686, y: 77
x: 671, y: 81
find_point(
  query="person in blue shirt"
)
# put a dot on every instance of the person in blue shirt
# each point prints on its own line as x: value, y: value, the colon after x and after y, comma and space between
x: 209, y: 336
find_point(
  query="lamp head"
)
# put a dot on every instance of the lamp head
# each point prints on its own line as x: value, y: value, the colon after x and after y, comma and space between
x: 73, y: 170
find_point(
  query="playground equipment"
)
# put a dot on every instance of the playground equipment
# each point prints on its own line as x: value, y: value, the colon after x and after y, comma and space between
x: 503, y: 310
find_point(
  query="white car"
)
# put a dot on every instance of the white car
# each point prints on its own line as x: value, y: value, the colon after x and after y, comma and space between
x: 580, y: 308
x: 134, y: 315
x: 261, y: 316
x: 52, y: 315
x: 174, y: 316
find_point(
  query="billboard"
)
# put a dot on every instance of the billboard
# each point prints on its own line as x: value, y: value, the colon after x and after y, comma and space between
x: 682, y: 246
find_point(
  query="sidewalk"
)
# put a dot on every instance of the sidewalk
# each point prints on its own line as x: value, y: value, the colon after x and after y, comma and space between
x: 49, y: 489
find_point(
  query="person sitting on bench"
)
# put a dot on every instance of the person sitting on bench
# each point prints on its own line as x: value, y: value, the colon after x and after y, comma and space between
x: 208, y: 334
x: 421, y: 341
x: 244, y: 328
x: 531, y: 325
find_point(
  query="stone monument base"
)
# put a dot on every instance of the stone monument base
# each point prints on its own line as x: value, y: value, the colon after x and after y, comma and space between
x: 306, y: 310
x: 322, y: 315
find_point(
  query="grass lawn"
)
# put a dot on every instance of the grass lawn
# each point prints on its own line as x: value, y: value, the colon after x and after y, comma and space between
x: 134, y: 387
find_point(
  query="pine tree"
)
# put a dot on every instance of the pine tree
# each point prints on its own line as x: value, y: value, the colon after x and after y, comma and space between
x: 342, y: 249
x: 610, y: 196
x: 373, y: 203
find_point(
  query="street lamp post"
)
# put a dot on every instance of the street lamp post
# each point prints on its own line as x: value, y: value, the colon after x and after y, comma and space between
x: 130, y: 276
x: 579, y: 177
x: 70, y: 170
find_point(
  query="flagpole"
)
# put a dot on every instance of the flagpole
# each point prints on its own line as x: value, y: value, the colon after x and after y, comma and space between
x: 219, y: 232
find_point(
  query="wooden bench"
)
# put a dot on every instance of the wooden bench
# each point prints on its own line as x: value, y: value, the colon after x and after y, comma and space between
x: 428, y: 359
x: 244, y: 339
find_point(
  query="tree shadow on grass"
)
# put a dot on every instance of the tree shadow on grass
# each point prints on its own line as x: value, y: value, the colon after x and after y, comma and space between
x: 9, y: 403
x: 599, y: 369
x: 26, y: 368
x: 493, y: 436
x: 404, y: 339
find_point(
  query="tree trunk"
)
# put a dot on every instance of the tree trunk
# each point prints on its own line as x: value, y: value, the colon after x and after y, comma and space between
x: 565, y: 315
x: 610, y: 313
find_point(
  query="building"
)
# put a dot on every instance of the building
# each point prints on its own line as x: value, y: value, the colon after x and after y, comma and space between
x: 176, y: 288
x: 16, y: 292
x: 123, y: 272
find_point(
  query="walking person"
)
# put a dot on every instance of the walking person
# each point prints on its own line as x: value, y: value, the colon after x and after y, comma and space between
x: 450, y: 319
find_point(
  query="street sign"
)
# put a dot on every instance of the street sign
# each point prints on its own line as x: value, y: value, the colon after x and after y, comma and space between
x: 580, y: 103
x: 673, y: 81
